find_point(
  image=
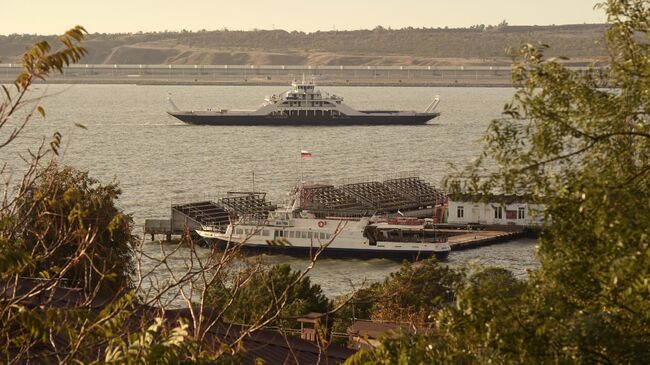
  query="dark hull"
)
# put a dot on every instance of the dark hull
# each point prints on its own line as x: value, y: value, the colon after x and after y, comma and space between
x: 245, y: 120
x: 337, y: 252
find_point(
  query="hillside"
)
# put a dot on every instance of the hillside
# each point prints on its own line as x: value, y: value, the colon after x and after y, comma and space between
x: 380, y: 46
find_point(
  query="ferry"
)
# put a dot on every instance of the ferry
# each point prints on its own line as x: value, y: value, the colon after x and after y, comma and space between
x: 304, y: 105
x: 299, y: 232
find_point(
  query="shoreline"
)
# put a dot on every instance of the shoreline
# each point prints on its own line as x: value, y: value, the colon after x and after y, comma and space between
x: 360, y: 83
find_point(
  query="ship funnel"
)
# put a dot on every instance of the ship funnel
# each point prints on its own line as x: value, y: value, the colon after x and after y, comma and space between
x: 432, y: 106
x: 171, y: 102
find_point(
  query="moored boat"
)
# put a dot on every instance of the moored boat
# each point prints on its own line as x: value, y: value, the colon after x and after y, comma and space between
x: 295, y: 231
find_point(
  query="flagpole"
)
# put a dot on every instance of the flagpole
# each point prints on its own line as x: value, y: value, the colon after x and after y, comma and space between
x: 301, y: 175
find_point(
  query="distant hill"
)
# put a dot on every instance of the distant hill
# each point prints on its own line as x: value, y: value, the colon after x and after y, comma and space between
x: 380, y: 46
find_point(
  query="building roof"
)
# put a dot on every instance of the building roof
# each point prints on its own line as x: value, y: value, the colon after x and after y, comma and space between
x: 270, y: 346
x: 490, y: 198
x: 372, y: 329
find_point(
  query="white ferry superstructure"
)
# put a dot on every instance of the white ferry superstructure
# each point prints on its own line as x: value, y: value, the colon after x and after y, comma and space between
x: 294, y: 231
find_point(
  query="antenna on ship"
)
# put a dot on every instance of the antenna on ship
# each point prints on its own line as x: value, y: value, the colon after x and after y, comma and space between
x: 171, y: 102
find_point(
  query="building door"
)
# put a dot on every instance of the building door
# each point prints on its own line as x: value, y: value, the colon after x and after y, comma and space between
x: 476, y: 215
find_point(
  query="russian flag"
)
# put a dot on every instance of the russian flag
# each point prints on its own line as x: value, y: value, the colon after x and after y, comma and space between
x: 305, y: 154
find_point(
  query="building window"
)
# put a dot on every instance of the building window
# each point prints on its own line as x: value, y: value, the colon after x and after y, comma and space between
x: 498, y: 212
x: 460, y: 212
x: 521, y: 213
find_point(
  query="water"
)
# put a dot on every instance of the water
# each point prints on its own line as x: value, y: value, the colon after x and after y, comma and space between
x: 157, y: 159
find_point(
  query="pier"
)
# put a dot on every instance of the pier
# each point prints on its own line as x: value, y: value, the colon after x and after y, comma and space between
x: 478, y: 238
x: 402, y: 202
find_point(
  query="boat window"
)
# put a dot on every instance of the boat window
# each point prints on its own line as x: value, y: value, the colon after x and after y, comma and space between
x: 291, y: 234
x: 304, y: 234
x: 265, y: 232
x: 327, y: 236
x: 286, y: 233
x: 322, y: 235
x: 238, y: 231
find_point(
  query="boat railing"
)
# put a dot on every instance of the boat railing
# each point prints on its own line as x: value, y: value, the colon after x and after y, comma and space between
x: 440, y: 239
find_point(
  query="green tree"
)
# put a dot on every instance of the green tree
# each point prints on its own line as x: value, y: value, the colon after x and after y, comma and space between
x: 584, y: 152
x: 411, y: 295
x: 60, y: 228
x: 416, y: 291
x: 484, y: 302
x: 66, y: 213
x: 263, y: 293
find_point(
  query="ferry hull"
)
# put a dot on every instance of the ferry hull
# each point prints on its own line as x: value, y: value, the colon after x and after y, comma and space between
x: 335, y: 252
x: 262, y: 120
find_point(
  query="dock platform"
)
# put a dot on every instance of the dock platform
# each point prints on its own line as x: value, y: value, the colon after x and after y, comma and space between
x: 472, y: 239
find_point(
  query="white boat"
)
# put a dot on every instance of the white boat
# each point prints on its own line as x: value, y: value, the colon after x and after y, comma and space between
x: 296, y: 231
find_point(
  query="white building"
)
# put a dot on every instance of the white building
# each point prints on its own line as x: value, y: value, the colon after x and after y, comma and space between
x: 506, y: 210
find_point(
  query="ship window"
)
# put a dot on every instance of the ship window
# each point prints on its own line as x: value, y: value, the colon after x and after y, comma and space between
x: 290, y: 234
x: 304, y: 234
x: 265, y: 232
x: 322, y: 235
x: 327, y: 236
x: 286, y: 233
x: 238, y: 231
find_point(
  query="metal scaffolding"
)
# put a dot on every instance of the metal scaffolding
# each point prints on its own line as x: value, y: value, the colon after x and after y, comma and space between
x: 206, y: 213
x: 248, y: 204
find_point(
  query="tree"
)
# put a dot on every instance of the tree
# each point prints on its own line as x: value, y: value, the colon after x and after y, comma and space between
x: 415, y: 292
x: 68, y: 289
x: 484, y: 300
x: 411, y: 295
x: 65, y: 212
x: 267, y: 292
x: 584, y: 152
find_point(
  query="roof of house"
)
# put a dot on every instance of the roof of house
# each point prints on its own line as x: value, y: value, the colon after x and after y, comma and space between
x: 490, y: 198
x: 271, y: 346
x: 372, y: 329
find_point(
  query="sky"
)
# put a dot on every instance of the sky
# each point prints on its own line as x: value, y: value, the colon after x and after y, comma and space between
x: 113, y: 16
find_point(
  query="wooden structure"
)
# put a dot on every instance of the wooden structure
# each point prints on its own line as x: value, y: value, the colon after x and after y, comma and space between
x: 313, y: 325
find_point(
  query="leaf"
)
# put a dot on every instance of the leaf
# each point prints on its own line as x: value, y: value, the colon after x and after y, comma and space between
x: 41, y: 111
x: 79, y: 125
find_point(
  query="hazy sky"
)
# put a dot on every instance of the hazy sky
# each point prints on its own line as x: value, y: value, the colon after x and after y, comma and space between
x: 50, y: 17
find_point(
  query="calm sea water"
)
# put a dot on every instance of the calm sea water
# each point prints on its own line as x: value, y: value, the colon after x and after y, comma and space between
x: 158, y: 160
